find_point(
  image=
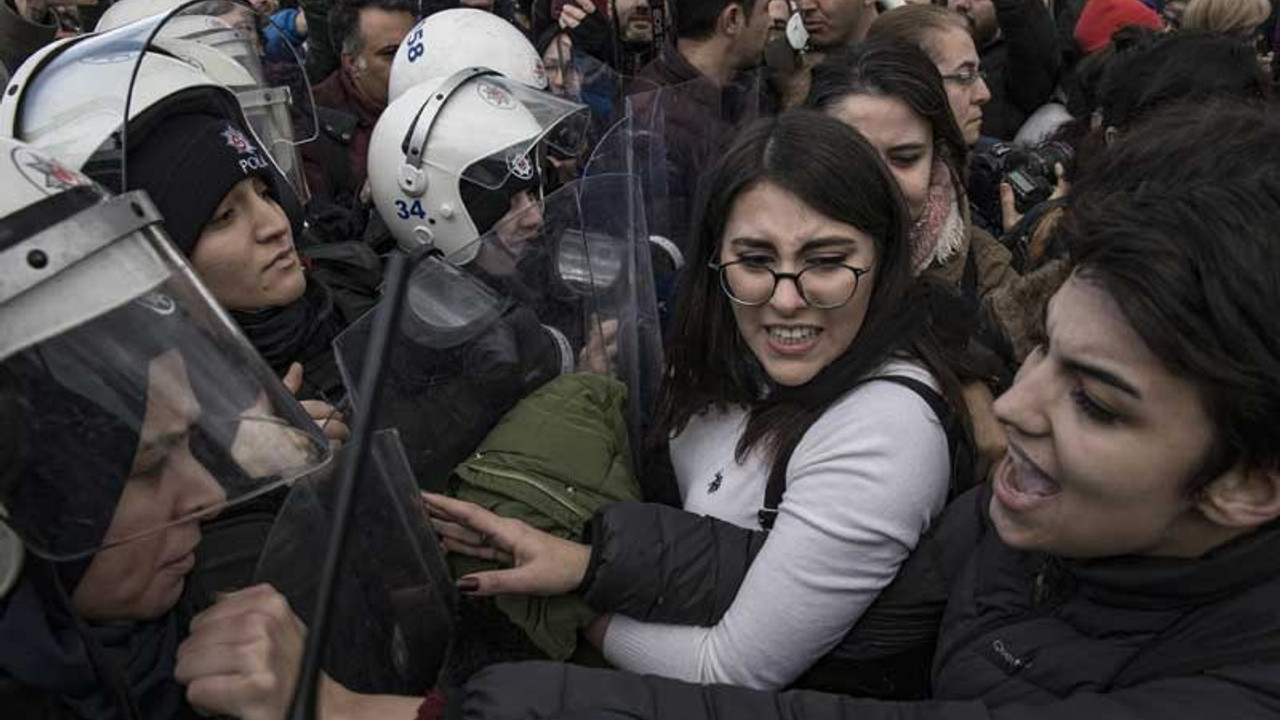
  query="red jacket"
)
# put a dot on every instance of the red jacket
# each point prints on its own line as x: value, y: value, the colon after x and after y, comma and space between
x: 337, y: 92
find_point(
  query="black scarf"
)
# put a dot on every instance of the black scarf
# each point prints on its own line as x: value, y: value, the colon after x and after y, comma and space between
x: 40, y: 652
x: 301, y: 331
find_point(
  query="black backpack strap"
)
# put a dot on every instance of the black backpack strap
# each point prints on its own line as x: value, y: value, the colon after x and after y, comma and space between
x: 957, y: 445
x: 969, y: 281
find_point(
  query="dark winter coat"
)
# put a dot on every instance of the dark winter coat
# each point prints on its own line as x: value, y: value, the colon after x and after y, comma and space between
x: 689, y: 569
x: 1022, y: 66
x: 1025, y: 636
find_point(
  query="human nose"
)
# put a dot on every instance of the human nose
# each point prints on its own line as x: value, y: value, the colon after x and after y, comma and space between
x: 269, y: 221
x: 1022, y: 406
x: 196, y: 488
x: 787, y: 297
x: 981, y: 91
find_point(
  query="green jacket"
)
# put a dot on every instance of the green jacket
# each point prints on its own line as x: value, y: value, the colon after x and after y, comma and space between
x: 552, y: 461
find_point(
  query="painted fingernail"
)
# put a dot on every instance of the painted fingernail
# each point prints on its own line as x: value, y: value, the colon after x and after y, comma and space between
x: 467, y: 584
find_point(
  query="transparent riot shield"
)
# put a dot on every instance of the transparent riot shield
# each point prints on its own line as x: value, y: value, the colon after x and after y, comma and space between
x: 561, y: 286
x: 677, y: 132
x: 88, y: 98
x: 392, y: 608
x: 581, y: 78
x: 613, y: 250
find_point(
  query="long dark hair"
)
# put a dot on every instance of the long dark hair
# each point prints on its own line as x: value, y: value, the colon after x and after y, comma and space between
x: 836, y: 172
x: 884, y: 68
x: 1188, y: 252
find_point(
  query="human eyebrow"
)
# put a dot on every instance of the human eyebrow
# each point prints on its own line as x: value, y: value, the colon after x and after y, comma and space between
x: 1100, y: 375
x: 1081, y: 367
x: 830, y: 243
x: 154, y: 449
x: 748, y: 243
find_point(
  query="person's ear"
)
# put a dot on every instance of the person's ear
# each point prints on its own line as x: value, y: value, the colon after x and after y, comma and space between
x: 349, y: 63
x: 732, y: 19
x: 1242, y: 499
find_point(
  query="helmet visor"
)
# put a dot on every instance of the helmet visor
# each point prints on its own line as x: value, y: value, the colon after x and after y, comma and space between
x: 541, y: 122
x: 145, y: 407
x: 77, y: 104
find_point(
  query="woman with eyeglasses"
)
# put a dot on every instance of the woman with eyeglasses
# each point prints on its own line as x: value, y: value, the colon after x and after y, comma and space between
x: 944, y: 36
x: 805, y: 396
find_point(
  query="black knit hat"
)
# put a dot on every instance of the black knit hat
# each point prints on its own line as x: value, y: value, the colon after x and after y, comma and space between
x: 189, y: 163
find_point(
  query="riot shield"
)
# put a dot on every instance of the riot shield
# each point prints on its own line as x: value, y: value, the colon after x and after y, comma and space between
x: 563, y: 286
x: 678, y: 131
x: 391, y: 616
x: 581, y: 78
x: 88, y: 98
x: 614, y: 225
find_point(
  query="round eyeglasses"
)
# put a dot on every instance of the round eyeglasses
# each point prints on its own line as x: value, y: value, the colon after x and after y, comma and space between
x: 824, y: 286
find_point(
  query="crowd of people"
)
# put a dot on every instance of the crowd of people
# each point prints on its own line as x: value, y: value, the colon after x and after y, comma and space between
x: 602, y: 359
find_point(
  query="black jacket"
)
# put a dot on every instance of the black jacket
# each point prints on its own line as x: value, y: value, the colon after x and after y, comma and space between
x: 1025, y: 636
x: 690, y: 569
x: 1022, y: 66
x: 685, y: 117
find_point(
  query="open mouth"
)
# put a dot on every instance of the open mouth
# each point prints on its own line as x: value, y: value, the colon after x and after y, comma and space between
x: 1021, y: 485
x: 792, y: 339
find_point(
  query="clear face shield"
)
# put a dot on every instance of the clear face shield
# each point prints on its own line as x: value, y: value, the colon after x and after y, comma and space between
x: 76, y: 105
x: 146, y: 408
x: 560, y: 126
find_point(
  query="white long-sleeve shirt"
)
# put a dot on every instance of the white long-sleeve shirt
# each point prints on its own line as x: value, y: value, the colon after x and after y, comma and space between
x: 862, y: 486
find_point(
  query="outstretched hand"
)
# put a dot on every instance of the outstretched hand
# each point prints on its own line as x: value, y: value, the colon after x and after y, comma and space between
x: 541, y: 563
